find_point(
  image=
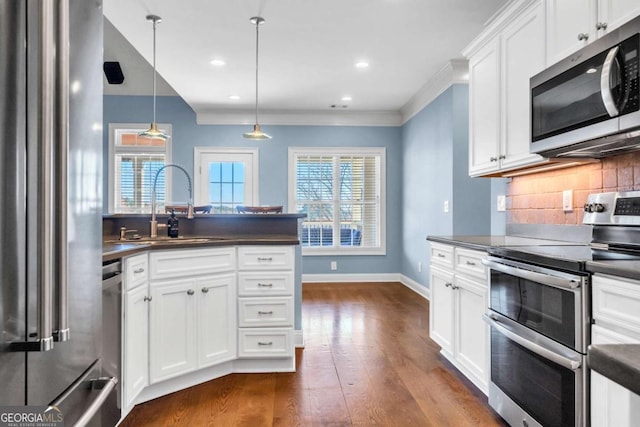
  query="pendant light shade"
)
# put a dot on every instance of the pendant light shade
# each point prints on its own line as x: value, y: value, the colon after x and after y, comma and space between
x: 257, y: 133
x: 153, y: 132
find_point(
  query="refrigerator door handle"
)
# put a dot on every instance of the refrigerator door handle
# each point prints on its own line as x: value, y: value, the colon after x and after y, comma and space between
x: 107, y: 385
x: 62, y: 159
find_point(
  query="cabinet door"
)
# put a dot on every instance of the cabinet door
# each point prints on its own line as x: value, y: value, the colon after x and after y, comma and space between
x: 566, y: 20
x: 484, y: 109
x: 471, y: 331
x: 614, y: 13
x: 441, y: 308
x: 523, y: 51
x: 217, y: 325
x: 172, y: 329
x: 135, y: 367
x: 612, y: 404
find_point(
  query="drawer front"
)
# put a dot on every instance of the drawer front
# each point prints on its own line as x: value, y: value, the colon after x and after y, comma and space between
x: 265, y: 312
x: 261, y: 343
x: 470, y: 262
x: 136, y: 271
x: 191, y: 262
x: 616, y: 302
x: 441, y: 254
x: 265, y: 257
x: 265, y: 283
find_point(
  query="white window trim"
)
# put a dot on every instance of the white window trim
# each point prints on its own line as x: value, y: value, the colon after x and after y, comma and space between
x: 347, y: 151
x: 113, y: 127
x: 198, y: 152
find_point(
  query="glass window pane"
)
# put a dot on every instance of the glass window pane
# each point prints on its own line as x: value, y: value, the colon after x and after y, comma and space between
x: 238, y: 172
x: 226, y: 172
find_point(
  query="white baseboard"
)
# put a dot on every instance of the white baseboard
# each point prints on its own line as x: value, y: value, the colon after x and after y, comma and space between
x: 416, y: 287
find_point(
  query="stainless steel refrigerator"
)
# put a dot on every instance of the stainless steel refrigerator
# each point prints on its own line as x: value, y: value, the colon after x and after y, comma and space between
x: 50, y: 208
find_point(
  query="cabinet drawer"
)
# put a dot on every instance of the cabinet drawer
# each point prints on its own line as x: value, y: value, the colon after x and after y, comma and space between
x: 470, y: 262
x: 616, y: 302
x: 265, y: 257
x: 136, y: 271
x: 263, y: 343
x: 191, y: 262
x: 265, y: 283
x: 265, y: 312
x: 441, y: 254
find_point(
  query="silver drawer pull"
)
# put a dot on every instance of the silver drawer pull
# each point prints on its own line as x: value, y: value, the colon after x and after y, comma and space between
x: 265, y: 343
x: 146, y: 298
x: 190, y: 292
x: 205, y: 290
x: 265, y: 285
x: 138, y: 271
x: 446, y: 285
x: 471, y: 263
x: 265, y: 259
x: 265, y: 312
x: 441, y: 256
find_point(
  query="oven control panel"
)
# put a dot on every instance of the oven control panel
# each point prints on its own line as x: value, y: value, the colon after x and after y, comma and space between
x: 615, y: 208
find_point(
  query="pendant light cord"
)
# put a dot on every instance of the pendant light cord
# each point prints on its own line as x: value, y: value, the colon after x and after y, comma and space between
x: 257, y: 44
x: 154, y: 70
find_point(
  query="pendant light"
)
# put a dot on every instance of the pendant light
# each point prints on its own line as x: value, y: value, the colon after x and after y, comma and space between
x: 153, y: 132
x: 257, y: 133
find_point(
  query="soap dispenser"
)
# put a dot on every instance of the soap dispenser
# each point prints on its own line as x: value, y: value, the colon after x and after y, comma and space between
x: 172, y: 225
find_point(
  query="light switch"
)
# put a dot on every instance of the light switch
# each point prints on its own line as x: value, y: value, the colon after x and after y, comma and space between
x: 446, y: 206
x: 567, y: 200
x: 501, y: 203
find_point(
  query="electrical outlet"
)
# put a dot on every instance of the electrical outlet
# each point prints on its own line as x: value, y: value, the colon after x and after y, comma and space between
x: 446, y: 206
x: 501, y: 203
x: 334, y: 265
x: 567, y: 200
x: 419, y: 266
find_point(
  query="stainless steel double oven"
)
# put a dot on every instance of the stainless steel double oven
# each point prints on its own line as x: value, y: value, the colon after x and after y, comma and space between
x: 540, y: 330
x: 540, y: 316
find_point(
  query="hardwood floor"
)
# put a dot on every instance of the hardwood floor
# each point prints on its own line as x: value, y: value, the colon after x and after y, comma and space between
x: 367, y: 361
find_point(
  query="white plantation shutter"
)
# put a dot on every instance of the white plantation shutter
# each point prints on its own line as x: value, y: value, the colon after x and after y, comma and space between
x: 133, y: 163
x: 340, y: 190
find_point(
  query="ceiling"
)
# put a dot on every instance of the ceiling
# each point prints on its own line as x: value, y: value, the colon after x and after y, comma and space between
x: 308, y: 51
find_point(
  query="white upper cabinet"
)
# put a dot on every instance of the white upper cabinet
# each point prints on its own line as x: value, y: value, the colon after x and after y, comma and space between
x: 573, y: 24
x: 501, y: 62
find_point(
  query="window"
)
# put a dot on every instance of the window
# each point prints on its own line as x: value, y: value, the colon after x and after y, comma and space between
x: 342, y: 191
x: 133, y: 163
x: 226, y: 178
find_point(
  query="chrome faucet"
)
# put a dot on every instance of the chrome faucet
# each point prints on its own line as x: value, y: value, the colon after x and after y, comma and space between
x: 154, y: 222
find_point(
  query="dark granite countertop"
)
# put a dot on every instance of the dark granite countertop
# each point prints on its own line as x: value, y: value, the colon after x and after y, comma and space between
x: 621, y: 268
x: 618, y: 362
x: 113, y: 249
x: 484, y: 242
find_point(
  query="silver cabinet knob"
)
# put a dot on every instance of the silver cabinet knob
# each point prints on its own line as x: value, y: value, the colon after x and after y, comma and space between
x: 190, y: 292
x: 601, y: 26
x: 146, y: 299
x: 447, y: 285
x: 493, y: 159
x: 583, y: 36
x: 205, y: 290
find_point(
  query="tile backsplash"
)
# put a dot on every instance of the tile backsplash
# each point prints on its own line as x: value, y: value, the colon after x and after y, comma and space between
x: 537, y: 198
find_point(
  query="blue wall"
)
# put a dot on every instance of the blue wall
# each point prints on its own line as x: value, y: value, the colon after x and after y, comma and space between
x: 435, y: 163
x: 186, y: 135
x: 426, y: 165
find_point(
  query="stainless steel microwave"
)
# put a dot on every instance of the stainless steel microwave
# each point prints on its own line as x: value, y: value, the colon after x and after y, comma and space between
x: 587, y: 105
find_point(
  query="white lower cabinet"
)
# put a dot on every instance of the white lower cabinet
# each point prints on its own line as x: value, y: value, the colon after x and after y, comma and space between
x: 135, y: 325
x: 458, y: 301
x: 191, y: 315
x: 265, y: 301
x: 616, y: 313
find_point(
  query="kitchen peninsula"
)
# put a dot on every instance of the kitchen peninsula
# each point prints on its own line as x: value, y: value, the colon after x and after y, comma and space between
x: 223, y: 297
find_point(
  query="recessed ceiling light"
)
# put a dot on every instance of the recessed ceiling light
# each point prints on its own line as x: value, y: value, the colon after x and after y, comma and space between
x: 218, y: 62
x: 234, y: 97
x: 347, y: 98
x: 362, y: 64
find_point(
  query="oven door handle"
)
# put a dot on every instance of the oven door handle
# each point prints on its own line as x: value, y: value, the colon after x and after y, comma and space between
x: 538, y: 349
x: 545, y: 279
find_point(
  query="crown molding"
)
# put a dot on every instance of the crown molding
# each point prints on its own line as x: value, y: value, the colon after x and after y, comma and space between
x: 301, y: 118
x: 455, y: 71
